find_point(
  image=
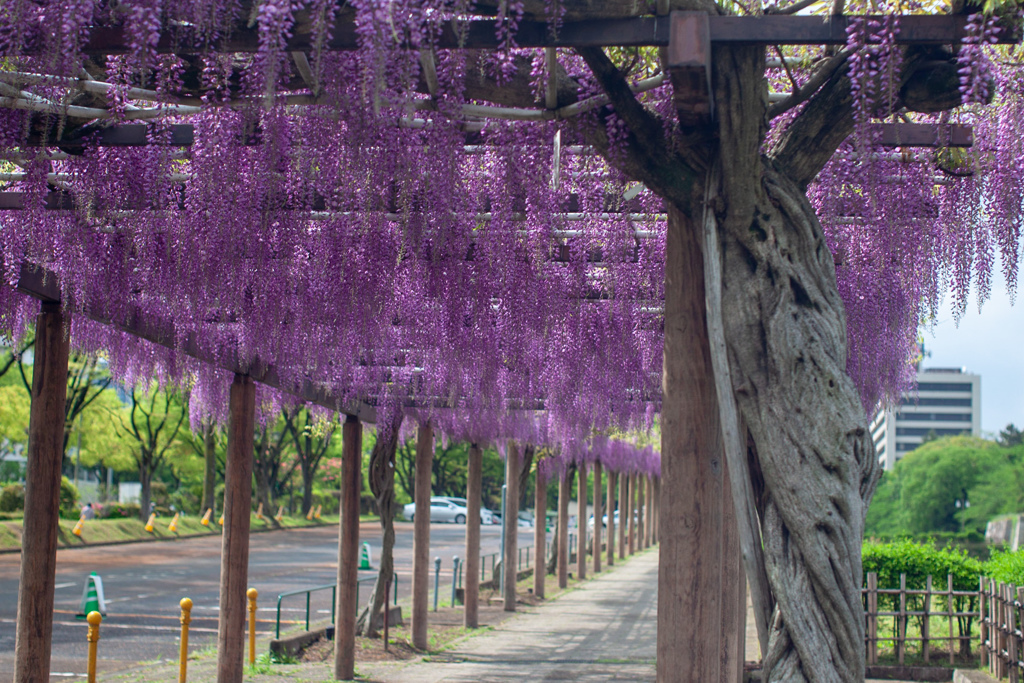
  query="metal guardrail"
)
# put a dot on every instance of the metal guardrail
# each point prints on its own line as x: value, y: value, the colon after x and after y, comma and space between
x: 334, y: 598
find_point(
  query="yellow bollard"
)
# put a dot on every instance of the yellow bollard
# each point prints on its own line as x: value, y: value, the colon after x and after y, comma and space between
x: 77, y: 531
x: 206, y: 518
x: 259, y: 511
x: 173, y: 526
x: 93, y: 637
x: 149, y: 524
x: 251, y: 593
x: 186, y: 619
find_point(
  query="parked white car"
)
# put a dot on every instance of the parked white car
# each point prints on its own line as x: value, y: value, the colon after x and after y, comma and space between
x: 446, y: 509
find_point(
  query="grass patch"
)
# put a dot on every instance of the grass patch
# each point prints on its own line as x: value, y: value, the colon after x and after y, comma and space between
x: 96, y: 531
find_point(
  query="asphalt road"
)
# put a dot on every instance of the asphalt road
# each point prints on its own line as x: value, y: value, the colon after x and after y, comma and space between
x: 143, y: 583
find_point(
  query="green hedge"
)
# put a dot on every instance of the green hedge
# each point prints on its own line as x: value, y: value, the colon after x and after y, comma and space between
x: 1006, y: 566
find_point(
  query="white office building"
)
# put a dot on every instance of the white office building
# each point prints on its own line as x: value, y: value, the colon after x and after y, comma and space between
x: 945, y: 402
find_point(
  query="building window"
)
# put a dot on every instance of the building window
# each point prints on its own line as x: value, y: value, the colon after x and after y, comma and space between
x: 933, y: 417
x: 944, y: 386
x: 925, y: 431
x: 958, y: 402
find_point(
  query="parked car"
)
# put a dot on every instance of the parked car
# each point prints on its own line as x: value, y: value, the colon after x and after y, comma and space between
x: 604, y: 520
x: 446, y: 509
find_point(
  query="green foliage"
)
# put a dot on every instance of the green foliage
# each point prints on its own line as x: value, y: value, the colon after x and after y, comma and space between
x: 68, y: 499
x: 12, y: 498
x: 119, y: 511
x: 1011, y: 436
x: 919, y: 496
x: 1006, y: 566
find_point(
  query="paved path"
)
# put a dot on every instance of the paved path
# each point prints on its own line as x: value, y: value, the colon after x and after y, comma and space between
x: 603, y: 631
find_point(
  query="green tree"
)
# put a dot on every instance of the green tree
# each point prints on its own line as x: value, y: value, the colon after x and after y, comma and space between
x: 933, y: 477
x: 151, y: 424
x: 1011, y: 436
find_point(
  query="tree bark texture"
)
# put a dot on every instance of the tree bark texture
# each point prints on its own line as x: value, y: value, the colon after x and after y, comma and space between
x: 563, y: 530
x: 510, y: 519
x: 42, y: 498
x: 597, y: 517
x: 540, y: 534
x: 610, y: 507
x: 734, y: 592
x: 806, y: 427
x: 471, y: 573
x: 234, y: 558
x: 348, y: 550
x: 382, y: 485
x: 421, y: 535
x: 581, y: 522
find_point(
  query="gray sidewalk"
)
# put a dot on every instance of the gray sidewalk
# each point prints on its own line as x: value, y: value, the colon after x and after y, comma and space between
x: 603, y: 631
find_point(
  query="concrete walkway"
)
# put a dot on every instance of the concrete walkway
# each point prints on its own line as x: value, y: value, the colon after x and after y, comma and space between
x: 603, y: 631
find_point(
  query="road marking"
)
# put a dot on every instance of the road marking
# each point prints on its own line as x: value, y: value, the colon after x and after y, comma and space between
x: 139, y: 627
x: 58, y: 587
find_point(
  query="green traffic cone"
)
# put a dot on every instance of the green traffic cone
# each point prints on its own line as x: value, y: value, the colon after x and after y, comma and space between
x: 90, y: 598
x: 364, y: 557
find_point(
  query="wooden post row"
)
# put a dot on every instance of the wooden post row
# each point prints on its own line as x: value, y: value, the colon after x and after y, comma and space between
x: 421, y: 534
x: 42, y: 493
x: 563, y: 531
x: 540, y: 534
x: 234, y: 559
x: 471, y: 582
x: 581, y: 522
x: 598, y: 513
x: 624, y: 514
x: 610, y: 508
x: 348, y: 551
x: 511, y: 521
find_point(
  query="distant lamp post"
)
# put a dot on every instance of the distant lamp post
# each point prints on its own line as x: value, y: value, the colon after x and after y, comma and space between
x: 962, y: 503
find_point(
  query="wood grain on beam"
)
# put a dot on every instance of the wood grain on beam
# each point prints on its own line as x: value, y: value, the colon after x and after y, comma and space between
x: 689, y: 65
x: 632, y: 31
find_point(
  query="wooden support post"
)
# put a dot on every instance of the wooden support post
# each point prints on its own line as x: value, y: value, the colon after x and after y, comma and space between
x: 734, y: 592
x: 610, y: 508
x: 641, y: 512
x: 657, y: 507
x: 581, y: 521
x: 421, y: 534
x: 540, y: 533
x: 563, y: 531
x: 623, y: 478
x: 348, y: 550
x: 510, y: 519
x: 234, y: 556
x: 689, y: 585
x: 649, y: 513
x: 42, y: 495
x: 471, y: 575
x: 632, y: 512
x: 598, y: 513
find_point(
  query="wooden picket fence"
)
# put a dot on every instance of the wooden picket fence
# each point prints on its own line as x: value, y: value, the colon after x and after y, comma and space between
x: 1002, y: 613
x: 930, y: 607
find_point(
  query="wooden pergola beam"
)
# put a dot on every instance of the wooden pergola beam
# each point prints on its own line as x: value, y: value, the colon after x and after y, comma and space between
x: 482, y: 34
x: 45, y: 286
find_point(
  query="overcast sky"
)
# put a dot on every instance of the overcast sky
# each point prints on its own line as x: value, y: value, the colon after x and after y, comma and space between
x: 991, y: 344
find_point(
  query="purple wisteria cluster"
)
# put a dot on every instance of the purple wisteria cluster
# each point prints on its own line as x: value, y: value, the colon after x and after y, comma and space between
x: 355, y: 232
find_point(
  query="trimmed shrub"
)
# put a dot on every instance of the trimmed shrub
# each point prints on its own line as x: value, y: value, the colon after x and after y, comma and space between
x: 120, y: 511
x: 12, y: 498
x: 1006, y: 566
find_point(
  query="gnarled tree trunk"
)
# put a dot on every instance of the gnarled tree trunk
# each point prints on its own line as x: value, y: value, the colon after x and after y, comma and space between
x: 382, y: 485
